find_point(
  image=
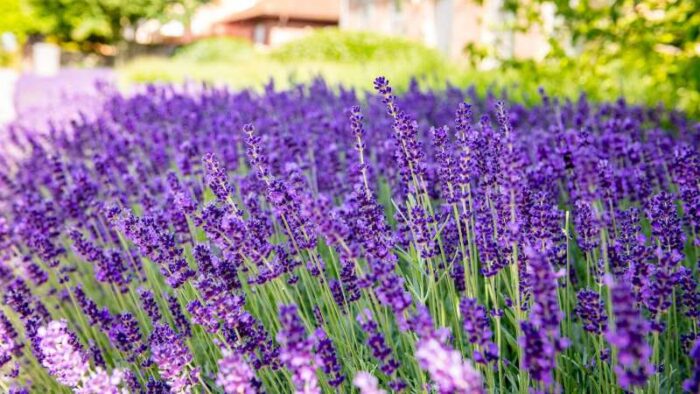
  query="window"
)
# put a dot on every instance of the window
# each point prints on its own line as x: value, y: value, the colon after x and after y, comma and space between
x: 259, y: 33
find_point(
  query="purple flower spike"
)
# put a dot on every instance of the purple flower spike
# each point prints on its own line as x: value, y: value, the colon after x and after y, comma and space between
x: 447, y: 369
x: 692, y: 384
x: 100, y: 382
x: 476, y: 325
x: 216, y: 177
x: 329, y: 358
x: 367, y: 383
x: 377, y: 342
x: 297, y: 351
x: 172, y: 357
x: 62, y: 355
x: 235, y: 375
x: 628, y: 336
x: 541, y: 340
x: 591, y: 310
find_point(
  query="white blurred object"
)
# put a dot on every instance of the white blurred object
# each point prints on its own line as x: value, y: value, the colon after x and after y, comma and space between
x: 8, y: 77
x: 173, y: 29
x: 9, y: 42
x: 47, y: 59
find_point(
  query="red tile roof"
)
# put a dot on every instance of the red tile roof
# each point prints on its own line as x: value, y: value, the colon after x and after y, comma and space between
x: 312, y: 10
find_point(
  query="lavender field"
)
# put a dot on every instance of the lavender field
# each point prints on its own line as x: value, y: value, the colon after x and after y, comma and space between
x: 193, y: 239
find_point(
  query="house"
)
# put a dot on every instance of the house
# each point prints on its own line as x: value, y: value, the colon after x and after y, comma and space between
x: 449, y: 25
x: 265, y: 22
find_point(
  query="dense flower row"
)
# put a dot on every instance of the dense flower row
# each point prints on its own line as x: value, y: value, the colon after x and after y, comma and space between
x: 313, y: 240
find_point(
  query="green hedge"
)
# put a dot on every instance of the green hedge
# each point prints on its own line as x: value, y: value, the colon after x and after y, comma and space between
x: 217, y: 49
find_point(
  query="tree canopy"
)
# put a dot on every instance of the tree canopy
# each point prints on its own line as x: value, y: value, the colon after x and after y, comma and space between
x: 100, y: 21
x: 656, y: 42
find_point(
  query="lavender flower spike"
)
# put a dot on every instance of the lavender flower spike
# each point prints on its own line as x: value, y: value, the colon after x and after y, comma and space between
x: 476, y: 325
x: 591, y: 310
x: 450, y: 373
x: 235, y: 375
x: 367, y: 383
x: 628, y: 336
x: 692, y: 384
x: 61, y: 353
x: 297, y: 351
x: 170, y: 353
x: 100, y: 382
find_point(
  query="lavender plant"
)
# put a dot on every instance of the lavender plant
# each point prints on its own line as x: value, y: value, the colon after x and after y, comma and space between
x: 318, y: 239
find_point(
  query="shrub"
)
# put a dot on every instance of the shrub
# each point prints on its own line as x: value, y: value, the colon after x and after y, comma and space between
x: 333, y: 45
x: 219, y: 49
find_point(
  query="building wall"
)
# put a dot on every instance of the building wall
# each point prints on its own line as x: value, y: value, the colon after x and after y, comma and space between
x: 268, y: 31
x: 207, y: 17
x: 240, y: 29
x: 448, y: 25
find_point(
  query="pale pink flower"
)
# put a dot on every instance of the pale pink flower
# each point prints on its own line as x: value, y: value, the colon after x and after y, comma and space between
x: 100, y: 382
x: 235, y: 375
x: 450, y: 373
x: 367, y: 383
x: 62, y: 356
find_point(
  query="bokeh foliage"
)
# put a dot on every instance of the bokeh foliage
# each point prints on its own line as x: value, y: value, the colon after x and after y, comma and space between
x: 646, y: 50
x: 353, y: 58
x: 350, y: 58
x: 84, y: 22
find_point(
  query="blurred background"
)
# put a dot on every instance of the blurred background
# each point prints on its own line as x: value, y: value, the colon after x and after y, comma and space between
x: 53, y: 51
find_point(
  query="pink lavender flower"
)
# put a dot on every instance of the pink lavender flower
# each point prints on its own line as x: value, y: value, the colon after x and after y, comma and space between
x: 15, y: 389
x: 447, y: 369
x: 61, y: 353
x: 434, y: 354
x: 101, y: 382
x: 367, y: 383
x: 235, y: 375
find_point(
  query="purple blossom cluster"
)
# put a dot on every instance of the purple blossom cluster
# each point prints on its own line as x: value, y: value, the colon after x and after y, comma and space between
x: 541, y: 338
x: 449, y: 372
x: 591, y: 310
x: 475, y: 321
x: 628, y: 336
x: 317, y: 239
x: 64, y: 359
x: 235, y: 375
x: 173, y: 358
x: 297, y: 351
